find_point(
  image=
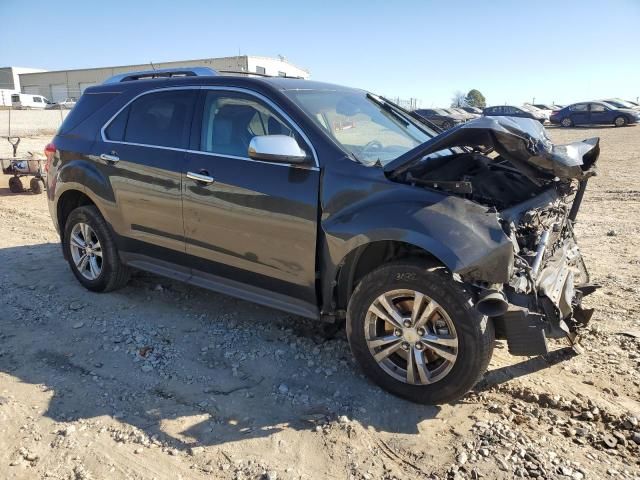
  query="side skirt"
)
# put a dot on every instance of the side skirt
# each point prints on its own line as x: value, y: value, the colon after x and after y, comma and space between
x: 222, y: 285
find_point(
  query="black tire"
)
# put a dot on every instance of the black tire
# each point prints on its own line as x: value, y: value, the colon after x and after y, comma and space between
x: 114, y: 274
x: 35, y: 186
x: 620, y: 121
x: 475, y: 332
x: 567, y: 122
x: 15, y: 185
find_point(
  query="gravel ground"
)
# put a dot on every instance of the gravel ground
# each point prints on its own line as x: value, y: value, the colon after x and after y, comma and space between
x: 164, y: 380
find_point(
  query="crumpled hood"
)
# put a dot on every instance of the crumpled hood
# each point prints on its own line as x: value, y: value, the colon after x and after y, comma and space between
x: 522, y: 141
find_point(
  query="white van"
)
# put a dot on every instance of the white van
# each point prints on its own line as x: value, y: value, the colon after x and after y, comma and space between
x: 26, y: 101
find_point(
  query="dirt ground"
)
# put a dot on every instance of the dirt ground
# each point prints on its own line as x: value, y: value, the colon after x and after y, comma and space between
x: 163, y: 380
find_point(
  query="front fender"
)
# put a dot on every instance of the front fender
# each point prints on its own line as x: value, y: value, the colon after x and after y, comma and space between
x: 464, y: 236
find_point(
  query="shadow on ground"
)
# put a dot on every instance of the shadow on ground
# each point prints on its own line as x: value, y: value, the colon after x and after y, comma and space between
x: 223, y: 381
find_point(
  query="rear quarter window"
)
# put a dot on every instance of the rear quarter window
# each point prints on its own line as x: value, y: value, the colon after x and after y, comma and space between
x: 88, y: 104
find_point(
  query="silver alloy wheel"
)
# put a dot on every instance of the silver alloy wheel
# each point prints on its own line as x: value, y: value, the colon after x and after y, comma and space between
x: 620, y: 121
x: 86, y: 251
x: 411, y: 337
x: 566, y: 122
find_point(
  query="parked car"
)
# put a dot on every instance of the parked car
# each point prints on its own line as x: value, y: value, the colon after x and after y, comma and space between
x: 619, y: 103
x: 441, y: 117
x: 26, y: 101
x: 475, y: 110
x: 464, y: 113
x: 513, y: 111
x: 427, y: 249
x: 594, y: 113
x: 547, y: 110
x: 67, y: 104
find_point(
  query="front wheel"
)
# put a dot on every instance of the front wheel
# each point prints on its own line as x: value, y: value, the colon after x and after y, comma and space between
x: 415, y: 332
x: 620, y: 121
x: 91, y: 251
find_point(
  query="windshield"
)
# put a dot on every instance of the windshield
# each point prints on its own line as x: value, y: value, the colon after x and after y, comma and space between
x: 369, y: 129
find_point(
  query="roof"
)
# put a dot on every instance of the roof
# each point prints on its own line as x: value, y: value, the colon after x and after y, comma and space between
x: 279, y: 83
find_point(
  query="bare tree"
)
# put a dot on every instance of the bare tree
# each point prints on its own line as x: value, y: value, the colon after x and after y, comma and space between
x: 459, y: 99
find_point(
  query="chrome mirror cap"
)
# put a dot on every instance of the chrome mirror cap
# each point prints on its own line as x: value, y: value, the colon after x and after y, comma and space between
x: 276, y: 148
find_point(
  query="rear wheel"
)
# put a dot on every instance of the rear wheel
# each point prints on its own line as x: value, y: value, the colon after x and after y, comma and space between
x: 15, y: 185
x: 567, y: 122
x: 414, y: 331
x: 620, y: 121
x: 91, y: 251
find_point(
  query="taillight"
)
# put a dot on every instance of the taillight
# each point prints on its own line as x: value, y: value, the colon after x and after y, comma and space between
x: 49, y: 152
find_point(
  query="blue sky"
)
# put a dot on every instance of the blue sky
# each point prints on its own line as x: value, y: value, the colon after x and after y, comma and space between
x: 562, y: 51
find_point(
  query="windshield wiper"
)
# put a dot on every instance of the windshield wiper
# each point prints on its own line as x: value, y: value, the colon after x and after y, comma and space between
x: 388, y: 104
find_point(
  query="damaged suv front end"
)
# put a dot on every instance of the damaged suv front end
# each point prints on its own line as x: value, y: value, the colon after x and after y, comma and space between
x: 531, y: 278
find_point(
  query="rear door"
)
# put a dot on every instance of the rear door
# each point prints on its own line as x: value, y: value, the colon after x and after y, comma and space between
x: 579, y: 113
x: 142, y: 153
x: 254, y: 222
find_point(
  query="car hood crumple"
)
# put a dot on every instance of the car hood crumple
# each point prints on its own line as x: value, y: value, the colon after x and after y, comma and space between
x: 522, y: 141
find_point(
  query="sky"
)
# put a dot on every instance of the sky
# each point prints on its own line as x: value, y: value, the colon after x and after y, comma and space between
x: 513, y: 52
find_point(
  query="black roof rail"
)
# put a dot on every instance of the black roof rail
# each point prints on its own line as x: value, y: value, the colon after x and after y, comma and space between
x: 162, y: 73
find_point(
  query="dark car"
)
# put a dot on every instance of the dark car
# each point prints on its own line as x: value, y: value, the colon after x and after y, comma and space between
x: 441, y: 117
x: 334, y: 204
x: 594, y: 113
x: 620, y: 103
x: 513, y: 111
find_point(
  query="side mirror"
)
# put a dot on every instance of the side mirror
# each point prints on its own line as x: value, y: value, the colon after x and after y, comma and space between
x: 276, y: 148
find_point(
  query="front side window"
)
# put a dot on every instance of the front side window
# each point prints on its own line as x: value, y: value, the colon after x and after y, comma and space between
x: 156, y: 119
x: 596, y: 107
x: 231, y: 119
x: 37, y: 99
x: 370, y: 130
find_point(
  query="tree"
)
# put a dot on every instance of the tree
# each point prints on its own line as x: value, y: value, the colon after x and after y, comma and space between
x: 475, y: 99
x: 459, y: 99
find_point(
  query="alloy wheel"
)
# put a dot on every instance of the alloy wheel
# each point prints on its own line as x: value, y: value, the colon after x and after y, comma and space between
x: 86, y: 251
x: 411, y: 337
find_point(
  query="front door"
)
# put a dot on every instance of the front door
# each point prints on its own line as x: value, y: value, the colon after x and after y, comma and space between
x: 599, y: 114
x: 250, y: 221
x: 142, y: 154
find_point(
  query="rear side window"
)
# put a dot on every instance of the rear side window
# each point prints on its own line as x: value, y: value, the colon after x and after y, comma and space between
x: 157, y: 119
x: 579, y: 107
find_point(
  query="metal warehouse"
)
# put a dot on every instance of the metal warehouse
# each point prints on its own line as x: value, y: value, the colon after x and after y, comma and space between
x: 62, y: 84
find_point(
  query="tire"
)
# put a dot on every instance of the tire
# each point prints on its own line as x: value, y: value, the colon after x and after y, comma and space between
x: 112, y: 273
x: 35, y: 186
x: 474, y: 334
x: 15, y: 185
x: 620, y: 121
x: 566, y: 122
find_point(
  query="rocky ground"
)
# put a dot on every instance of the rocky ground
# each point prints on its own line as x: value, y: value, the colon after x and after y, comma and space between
x: 164, y: 380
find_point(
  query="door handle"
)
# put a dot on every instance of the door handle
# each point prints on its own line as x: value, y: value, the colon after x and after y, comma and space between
x: 109, y: 158
x: 201, y: 178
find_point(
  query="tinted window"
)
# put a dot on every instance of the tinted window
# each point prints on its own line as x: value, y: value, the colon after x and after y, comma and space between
x: 231, y: 120
x: 37, y: 99
x: 161, y: 119
x: 578, y: 107
x: 596, y: 107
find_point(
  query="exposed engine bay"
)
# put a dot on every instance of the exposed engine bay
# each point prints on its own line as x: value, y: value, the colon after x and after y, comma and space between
x: 534, y: 188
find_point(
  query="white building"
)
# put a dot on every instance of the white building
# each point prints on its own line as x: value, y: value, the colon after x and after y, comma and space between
x: 62, y: 84
x: 10, y: 82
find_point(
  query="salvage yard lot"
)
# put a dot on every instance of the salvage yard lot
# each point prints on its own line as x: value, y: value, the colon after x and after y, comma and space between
x: 165, y: 380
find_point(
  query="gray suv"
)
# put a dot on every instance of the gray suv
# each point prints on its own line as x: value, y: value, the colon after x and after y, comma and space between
x: 334, y: 204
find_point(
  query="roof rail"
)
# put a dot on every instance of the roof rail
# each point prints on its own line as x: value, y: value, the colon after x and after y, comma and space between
x: 162, y: 73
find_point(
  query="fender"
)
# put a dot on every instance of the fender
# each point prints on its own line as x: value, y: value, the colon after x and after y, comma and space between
x: 464, y: 236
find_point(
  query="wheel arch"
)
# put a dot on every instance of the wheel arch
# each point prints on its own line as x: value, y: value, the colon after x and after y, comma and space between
x: 366, y: 257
